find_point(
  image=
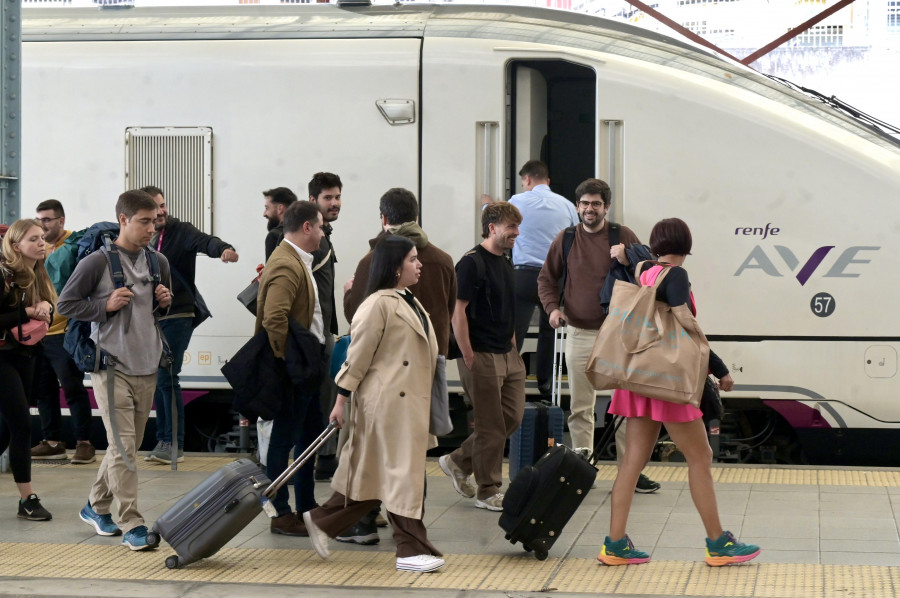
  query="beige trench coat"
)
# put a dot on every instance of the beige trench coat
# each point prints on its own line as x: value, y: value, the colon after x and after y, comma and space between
x: 390, y: 369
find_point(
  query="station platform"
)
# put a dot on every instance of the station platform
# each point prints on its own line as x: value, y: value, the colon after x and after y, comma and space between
x: 823, y: 532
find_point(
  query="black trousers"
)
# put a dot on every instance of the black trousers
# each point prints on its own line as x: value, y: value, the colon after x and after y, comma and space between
x: 53, y: 363
x: 526, y: 293
x: 15, y: 425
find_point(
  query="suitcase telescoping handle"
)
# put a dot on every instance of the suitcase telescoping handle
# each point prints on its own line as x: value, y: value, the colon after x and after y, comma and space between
x: 311, y: 450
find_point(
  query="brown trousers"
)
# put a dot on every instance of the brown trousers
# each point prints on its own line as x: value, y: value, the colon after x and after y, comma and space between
x: 496, y: 387
x: 339, y: 513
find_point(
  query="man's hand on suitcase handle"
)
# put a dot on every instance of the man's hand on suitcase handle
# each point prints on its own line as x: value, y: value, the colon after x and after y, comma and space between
x: 557, y: 318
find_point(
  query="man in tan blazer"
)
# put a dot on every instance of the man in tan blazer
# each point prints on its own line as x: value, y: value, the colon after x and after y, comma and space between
x: 287, y: 291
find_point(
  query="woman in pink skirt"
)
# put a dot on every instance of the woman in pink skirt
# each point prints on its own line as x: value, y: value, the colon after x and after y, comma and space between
x: 671, y: 241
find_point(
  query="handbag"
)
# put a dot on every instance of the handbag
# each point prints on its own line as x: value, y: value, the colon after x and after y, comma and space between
x: 439, y: 423
x: 248, y: 296
x: 31, y: 332
x: 649, y: 347
x: 711, y: 401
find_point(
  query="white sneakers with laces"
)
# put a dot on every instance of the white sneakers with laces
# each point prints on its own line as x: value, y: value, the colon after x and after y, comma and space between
x: 491, y: 503
x: 422, y: 563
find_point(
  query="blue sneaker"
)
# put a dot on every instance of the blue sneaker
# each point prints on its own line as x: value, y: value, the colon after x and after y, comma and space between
x: 102, y: 523
x: 726, y: 550
x: 137, y: 539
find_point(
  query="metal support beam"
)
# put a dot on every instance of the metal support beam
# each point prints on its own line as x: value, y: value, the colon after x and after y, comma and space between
x: 755, y: 55
x: 795, y: 32
x: 679, y: 28
x: 10, y: 109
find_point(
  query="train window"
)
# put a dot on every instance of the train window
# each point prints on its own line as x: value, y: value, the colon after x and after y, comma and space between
x: 178, y: 160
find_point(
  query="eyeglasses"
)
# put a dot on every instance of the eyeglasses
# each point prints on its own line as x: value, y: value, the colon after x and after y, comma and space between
x: 48, y: 220
x: 590, y: 204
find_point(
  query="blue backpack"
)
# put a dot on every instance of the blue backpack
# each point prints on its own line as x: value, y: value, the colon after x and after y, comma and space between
x: 77, y: 342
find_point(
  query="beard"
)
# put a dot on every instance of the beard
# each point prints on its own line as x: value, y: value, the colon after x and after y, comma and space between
x: 271, y: 223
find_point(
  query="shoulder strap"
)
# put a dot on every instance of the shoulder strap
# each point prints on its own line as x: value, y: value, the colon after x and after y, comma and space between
x: 480, y: 279
x: 568, y: 241
x: 614, y: 228
x: 153, y: 262
x: 115, y: 262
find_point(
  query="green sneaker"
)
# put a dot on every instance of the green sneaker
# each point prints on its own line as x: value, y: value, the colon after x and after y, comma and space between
x: 621, y: 552
x: 727, y: 551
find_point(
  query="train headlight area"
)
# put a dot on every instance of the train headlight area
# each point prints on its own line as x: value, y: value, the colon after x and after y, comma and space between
x: 824, y: 531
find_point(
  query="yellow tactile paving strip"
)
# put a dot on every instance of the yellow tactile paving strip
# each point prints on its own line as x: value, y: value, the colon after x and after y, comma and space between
x: 723, y: 474
x: 202, y: 462
x: 463, y: 572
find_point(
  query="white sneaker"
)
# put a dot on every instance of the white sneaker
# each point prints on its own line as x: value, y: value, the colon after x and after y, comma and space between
x: 583, y: 452
x: 461, y: 481
x: 318, y: 538
x: 422, y: 563
x: 492, y: 503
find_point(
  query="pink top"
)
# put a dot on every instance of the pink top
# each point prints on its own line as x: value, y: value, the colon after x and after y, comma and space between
x: 630, y: 404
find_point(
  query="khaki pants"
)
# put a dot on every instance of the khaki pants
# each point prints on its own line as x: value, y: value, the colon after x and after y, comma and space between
x: 582, y: 396
x: 496, y: 387
x: 134, y: 399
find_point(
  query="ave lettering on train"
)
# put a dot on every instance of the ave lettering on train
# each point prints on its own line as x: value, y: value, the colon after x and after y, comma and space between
x: 758, y: 259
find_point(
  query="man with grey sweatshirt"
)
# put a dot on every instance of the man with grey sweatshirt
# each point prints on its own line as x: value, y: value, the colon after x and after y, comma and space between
x: 123, y: 325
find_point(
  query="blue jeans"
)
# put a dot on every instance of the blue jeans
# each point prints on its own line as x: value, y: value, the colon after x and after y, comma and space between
x: 297, y: 425
x: 178, y: 333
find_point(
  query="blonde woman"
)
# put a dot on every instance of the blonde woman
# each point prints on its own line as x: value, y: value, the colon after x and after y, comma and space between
x: 27, y: 294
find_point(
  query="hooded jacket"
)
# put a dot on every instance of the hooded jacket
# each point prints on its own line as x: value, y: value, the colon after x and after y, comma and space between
x: 436, y: 289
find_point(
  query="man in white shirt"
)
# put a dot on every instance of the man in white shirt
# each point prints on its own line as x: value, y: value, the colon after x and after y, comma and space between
x: 287, y: 291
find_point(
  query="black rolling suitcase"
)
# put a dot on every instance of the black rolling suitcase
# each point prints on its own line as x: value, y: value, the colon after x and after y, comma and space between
x: 542, y: 498
x: 213, y: 513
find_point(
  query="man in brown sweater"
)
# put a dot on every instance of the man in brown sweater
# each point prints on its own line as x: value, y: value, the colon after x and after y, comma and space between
x: 579, y: 306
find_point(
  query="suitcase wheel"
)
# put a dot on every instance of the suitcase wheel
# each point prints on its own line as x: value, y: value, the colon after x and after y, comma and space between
x: 172, y: 562
x: 153, y: 539
x: 540, y: 554
x: 526, y: 547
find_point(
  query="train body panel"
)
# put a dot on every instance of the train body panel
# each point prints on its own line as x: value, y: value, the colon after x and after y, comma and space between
x: 791, y: 203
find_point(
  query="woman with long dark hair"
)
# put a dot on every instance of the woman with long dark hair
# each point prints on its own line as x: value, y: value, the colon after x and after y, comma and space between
x: 671, y: 240
x: 390, y: 371
x: 27, y: 294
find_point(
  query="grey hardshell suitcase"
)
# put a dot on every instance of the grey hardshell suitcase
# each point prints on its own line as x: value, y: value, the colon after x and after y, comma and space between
x: 213, y: 513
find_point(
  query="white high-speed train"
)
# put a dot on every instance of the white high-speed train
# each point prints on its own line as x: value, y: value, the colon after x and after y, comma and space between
x: 792, y: 201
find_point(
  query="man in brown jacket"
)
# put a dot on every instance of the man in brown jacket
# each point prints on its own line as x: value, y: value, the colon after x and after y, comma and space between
x: 436, y: 291
x: 287, y: 291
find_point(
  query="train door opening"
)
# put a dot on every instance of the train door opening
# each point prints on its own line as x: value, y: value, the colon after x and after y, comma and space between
x: 552, y: 112
x: 552, y: 117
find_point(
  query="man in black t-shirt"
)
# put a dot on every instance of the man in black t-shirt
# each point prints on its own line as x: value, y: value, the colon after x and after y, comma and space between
x: 491, y: 371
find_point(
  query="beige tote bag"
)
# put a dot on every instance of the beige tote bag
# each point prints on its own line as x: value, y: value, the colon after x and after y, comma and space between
x: 649, y: 347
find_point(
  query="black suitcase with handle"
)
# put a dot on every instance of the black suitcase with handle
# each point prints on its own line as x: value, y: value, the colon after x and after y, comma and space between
x: 543, y: 497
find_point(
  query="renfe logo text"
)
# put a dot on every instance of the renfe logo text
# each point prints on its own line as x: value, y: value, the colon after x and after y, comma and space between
x: 756, y: 231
